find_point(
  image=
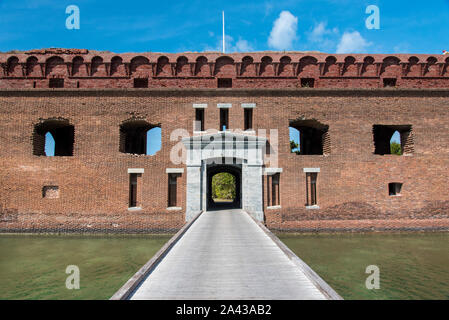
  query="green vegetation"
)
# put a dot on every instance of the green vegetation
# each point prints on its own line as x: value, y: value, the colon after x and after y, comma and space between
x: 395, y: 148
x: 294, y: 147
x: 223, y: 186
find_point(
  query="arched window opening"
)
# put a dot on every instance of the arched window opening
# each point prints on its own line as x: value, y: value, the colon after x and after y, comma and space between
x: 49, y: 145
x: 223, y: 188
x: 53, y: 138
x: 313, y: 138
x: 140, y: 137
x: 393, y: 139
x: 395, y: 144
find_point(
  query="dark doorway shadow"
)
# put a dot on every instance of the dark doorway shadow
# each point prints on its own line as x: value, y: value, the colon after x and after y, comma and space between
x: 236, y: 171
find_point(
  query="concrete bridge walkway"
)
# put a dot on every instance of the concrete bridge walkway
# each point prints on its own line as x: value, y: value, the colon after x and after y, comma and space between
x: 227, y: 255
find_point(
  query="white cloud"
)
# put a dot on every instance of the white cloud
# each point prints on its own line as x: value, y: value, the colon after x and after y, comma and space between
x: 352, y: 42
x: 323, y: 38
x: 243, y: 46
x: 318, y: 33
x: 284, y: 31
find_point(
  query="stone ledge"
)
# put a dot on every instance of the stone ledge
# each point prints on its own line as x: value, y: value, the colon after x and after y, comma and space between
x: 174, y: 208
x: 134, y: 209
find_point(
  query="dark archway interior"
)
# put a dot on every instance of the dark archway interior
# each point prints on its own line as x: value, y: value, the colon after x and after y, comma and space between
x: 236, y: 171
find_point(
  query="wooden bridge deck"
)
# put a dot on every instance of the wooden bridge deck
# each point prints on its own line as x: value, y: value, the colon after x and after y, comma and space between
x: 227, y: 255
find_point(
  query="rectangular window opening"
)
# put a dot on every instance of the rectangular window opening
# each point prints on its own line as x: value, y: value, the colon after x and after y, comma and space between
x: 199, y: 119
x: 133, y: 189
x: 389, y: 82
x: 50, y: 192
x: 172, y: 189
x: 393, y: 139
x: 56, y: 83
x: 307, y: 82
x: 248, y: 115
x: 275, y: 193
x: 394, y: 189
x: 141, y: 83
x: 311, y: 195
x: 224, y: 83
x: 224, y: 119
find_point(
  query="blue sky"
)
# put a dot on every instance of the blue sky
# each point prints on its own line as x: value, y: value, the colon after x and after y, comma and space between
x: 159, y: 26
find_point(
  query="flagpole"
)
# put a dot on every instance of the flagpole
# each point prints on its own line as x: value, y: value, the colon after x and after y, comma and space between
x: 224, y: 47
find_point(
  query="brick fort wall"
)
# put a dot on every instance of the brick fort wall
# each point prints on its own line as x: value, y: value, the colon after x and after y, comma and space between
x: 89, y: 191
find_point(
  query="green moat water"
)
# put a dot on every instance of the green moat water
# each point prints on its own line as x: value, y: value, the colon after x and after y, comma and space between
x: 412, y: 265
x: 33, y: 266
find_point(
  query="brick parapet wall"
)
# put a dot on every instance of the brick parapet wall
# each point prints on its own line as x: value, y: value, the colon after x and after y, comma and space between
x: 93, y: 69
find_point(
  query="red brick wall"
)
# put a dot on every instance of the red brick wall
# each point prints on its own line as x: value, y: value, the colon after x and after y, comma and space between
x: 352, y: 184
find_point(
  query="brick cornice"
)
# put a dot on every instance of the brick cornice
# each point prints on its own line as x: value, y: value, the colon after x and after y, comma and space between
x: 382, y: 92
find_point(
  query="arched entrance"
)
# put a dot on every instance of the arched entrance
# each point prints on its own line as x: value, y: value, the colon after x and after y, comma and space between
x: 217, y: 203
x: 236, y: 153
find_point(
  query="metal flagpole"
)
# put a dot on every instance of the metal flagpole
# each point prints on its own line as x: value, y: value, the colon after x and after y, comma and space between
x: 224, y: 47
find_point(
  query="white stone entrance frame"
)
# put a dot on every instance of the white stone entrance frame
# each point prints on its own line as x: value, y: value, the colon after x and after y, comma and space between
x: 225, y: 148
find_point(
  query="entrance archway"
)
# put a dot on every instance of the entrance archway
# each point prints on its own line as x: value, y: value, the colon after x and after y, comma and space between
x: 234, y: 170
x: 239, y: 154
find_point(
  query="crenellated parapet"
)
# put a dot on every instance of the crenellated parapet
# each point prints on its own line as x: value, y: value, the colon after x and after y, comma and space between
x: 93, y: 69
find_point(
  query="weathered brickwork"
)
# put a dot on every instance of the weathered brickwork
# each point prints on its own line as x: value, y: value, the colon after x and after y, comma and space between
x: 93, y: 69
x: 93, y: 185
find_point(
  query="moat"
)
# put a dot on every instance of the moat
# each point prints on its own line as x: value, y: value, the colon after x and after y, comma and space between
x: 412, y: 265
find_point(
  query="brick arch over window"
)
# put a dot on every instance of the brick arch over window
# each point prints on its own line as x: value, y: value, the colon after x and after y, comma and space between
x: 140, y: 67
x: 133, y: 136
x: 286, y: 67
x: 331, y: 67
x: 13, y: 67
x: 33, y: 68
x: 266, y: 67
x: 63, y: 134
x: 369, y: 69
x: 55, y: 66
x: 391, y: 67
x: 79, y: 68
x: 163, y: 68
x: 349, y: 67
x: 308, y: 67
x: 117, y: 67
x: 431, y: 67
x: 413, y: 68
x: 98, y: 68
x: 248, y: 68
x: 202, y: 67
x: 182, y: 66
x: 446, y: 67
x: 224, y: 67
